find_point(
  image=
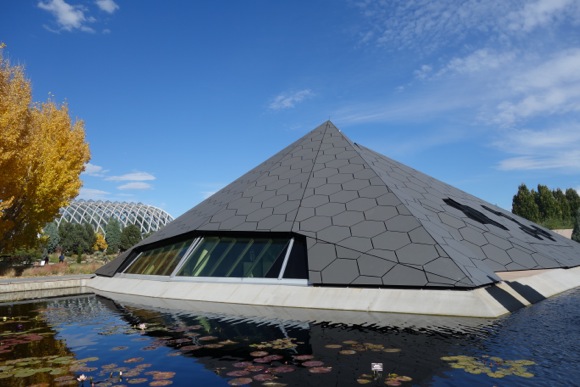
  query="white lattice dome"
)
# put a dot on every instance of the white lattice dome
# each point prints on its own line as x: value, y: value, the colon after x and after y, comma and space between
x: 98, y: 212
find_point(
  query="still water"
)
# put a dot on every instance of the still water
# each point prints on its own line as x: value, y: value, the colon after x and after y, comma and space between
x: 61, y: 341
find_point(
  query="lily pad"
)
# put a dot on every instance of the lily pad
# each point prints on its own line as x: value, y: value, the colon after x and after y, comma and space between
x: 263, y: 377
x: 320, y: 370
x: 258, y: 353
x: 240, y: 381
x: 134, y: 360
x: 137, y: 380
x: 238, y: 373
x: 313, y: 363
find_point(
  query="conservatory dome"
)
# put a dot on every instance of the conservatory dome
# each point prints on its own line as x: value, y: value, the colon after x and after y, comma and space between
x: 97, y: 213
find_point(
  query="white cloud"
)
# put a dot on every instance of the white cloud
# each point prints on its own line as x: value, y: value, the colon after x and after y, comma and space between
x: 478, y: 61
x: 423, y: 72
x: 94, y: 170
x: 108, y: 6
x: 135, y: 185
x: 556, y: 149
x: 569, y: 161
x: 551, y: 87
x: 92, y: 194
x: 68, y: 17
x: 540, y: 13
x: 287, y: 101
x: 135, y: 176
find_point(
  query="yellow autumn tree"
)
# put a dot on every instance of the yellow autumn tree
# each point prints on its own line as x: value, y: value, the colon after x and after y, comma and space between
x: 100, y: 242
x: 42, y: 154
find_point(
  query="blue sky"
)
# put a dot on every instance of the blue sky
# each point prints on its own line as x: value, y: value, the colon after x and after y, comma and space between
x: 179, y: 98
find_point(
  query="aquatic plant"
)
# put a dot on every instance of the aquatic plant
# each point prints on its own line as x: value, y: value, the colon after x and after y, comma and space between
x: 285, y: 343
x: 492, y: 366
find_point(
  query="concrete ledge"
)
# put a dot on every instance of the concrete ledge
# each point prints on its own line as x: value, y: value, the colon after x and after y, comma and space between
x: 38, y: 287
x: 489, y: 302
x: 515, y: 292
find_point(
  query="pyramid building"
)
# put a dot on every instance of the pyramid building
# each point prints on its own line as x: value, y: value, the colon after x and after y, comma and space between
x: 325, y: 211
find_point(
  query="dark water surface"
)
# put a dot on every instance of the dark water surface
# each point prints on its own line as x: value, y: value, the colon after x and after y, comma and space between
x: 53, y: 342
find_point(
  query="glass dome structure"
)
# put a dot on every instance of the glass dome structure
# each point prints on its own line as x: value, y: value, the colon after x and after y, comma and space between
x: 98, y: 212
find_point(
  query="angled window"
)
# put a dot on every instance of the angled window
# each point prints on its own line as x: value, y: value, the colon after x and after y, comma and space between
x: 159, y: 261
x: 245, y: 257
x: 225, y: 256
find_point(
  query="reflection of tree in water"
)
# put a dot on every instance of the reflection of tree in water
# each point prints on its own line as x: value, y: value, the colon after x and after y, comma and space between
x: 30, y: 351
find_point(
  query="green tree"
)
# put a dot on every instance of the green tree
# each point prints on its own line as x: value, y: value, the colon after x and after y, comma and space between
x: 524, y: 205
x: 73, y: 238
x: 130, y: 236
x: 90, y: 237
x: 573, y: 201
x: 42, y: 154
x: 113, y: 236
x: 547, y: 204
x: 576, y: 229
x: 564, y: 206
x: 53, y: 239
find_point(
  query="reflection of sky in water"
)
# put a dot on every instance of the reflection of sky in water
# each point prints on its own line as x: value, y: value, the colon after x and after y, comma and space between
x: 546, y: 333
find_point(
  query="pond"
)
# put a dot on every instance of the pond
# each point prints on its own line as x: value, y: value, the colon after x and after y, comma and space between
x: 86, y: 340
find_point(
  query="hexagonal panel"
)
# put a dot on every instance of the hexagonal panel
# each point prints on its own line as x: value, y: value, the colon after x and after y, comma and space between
x: 343, y: 196
x: 347, y: 218
x: 404, y: 223
x: 327, y: 189
x: 333, y: 234
x: 315, y: 201
x: 381, y: 213
x: 340, y: 271
x: 315, y: 223
x: 368, y: 229
x: 357, y: 243
x: 355, y: 185
x: 361, y: 204
x: 330, y: 209
x: 373, y: 266
x: 417, y: 254
x: 401, y: 275
x: 320, y: 256
x: 258, y: 215
x: 391, y: 240
x: 496, y: 254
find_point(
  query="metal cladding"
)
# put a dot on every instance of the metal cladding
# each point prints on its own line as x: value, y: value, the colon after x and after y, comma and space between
x: 370, y: 221
x: 98, y: 213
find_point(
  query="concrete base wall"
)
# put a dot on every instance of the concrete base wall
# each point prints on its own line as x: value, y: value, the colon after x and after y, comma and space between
x: 493, y: 301
x: 15, y: 289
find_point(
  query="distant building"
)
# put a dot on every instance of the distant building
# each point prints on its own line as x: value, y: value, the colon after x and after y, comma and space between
x: 98, y: 212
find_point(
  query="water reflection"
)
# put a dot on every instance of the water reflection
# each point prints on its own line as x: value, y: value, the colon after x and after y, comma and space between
x: 125, y: 342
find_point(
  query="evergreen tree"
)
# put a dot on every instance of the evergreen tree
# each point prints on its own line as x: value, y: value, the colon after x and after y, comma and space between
x: 564, y: 205
x: 90, y: 237
x: 576, y: 230
x: 573, y: 201
x: 547, y: 204
x: 524, y: 205
x: 73, y: 238
x: 130, y: 236
x: 113, y: 236
x: 53, y: 239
